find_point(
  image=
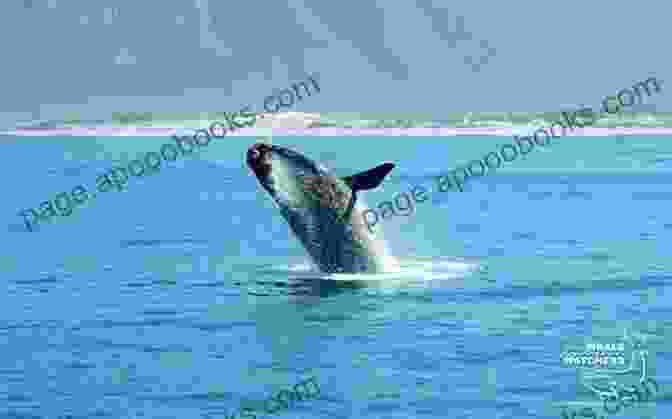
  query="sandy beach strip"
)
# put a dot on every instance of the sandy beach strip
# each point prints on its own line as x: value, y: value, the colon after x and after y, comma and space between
x: 330, y: 131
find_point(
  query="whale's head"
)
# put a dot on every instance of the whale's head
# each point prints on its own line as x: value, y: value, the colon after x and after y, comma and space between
x: 293, y: 180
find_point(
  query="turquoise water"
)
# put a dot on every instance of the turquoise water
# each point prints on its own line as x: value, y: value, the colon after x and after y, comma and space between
x: 187, y: 296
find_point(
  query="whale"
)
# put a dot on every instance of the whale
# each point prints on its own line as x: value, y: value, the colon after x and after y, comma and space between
x: 322, y: 209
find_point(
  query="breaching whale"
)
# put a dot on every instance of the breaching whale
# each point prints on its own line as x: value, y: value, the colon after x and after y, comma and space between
x: 320, y: 208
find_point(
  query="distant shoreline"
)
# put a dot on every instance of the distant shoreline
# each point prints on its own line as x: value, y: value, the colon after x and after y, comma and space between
x: 347, y: 124
x: 330, y: 131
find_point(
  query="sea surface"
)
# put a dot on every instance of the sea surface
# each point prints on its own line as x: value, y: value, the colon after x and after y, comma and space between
x: 186, y: 296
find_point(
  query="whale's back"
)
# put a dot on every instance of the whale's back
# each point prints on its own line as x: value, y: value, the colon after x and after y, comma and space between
x: 335, y: 236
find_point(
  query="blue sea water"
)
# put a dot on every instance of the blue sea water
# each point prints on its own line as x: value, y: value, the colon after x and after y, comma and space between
x: 186, y: 296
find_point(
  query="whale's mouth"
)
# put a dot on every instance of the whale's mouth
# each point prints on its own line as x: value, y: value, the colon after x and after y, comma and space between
x: 259, y: 160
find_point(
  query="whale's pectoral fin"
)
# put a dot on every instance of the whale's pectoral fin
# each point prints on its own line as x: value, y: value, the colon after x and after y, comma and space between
x: 363, y: 181
x: 369, y: 179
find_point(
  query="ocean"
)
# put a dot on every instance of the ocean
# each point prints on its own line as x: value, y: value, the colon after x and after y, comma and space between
x: 186, y: 295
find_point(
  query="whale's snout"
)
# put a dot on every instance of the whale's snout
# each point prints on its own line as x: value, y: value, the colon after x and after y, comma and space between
x: 259, y: 159
x: 253, y: 154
